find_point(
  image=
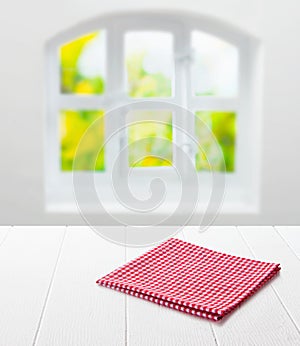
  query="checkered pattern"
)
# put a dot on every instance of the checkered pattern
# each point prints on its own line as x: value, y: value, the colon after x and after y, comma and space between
x: 191, y: 279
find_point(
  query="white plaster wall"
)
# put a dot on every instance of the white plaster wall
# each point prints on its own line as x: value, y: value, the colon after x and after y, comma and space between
x: 25, y: 27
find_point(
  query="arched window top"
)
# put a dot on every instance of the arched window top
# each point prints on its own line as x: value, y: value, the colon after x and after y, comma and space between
x: 162, y: 20
x: 149, y: 62
x: 150, y: 45
x: 196, y: 62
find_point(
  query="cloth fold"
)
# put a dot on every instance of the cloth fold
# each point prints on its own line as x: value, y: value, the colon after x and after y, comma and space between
x: 191, y: 279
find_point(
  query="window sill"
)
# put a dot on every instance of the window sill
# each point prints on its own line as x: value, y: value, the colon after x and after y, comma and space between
x: 117, y: 210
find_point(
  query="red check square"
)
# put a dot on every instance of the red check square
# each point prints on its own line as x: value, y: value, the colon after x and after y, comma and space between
x: 191, y: 279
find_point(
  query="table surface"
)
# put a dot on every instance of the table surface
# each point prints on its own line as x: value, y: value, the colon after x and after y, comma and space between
x: 49, y: 296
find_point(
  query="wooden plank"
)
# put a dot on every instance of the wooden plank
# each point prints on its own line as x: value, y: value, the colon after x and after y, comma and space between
x: 291, y: 235
x: 259, y: 321
x: 3, y: 233
x: 151, y: 324
x: 78, y: 311
x: 27, y: 261
x: 266, y: 244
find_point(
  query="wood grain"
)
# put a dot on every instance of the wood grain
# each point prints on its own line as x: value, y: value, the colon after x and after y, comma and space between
x: 49, y: 296
x: 78, y: 311
x: 3, y: 233
x: 291, y: 235
x: 266, y: 244
x: 259, y: 321
x: 27, y: 260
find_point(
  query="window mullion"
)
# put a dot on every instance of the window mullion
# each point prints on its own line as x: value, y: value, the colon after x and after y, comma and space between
x: 87, y: 102
x: 182, y: 117
x: 214, y: 103
x: 115, y: 92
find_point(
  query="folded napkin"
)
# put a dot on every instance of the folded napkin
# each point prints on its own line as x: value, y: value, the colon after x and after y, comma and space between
x: 191, y: 278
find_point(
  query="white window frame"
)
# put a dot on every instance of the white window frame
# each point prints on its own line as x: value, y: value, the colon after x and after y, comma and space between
x: 242, y: 192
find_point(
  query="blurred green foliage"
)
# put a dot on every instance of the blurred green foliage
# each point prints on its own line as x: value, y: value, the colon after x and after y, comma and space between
x: 150, y: 142
x: 144, y: 84
x: 73, y: 124
x: 223, y: 126
x: 72, y: 81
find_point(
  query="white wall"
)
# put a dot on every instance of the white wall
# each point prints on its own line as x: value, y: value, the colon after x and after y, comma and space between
x: 24, y: 29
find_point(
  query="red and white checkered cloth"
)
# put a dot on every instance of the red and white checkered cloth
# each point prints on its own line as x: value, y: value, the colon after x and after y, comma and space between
x: 191, y: 279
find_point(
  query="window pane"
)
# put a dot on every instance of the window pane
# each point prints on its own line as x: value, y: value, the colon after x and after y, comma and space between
x: 215, y: 67
x: 149, y: 63
x: 73, y: 124
x: 82, y: 64
x: 150, y: 138
x: 223, y: 126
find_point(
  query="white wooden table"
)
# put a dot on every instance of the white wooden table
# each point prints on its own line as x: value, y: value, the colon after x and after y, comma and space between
x: 49, y: 296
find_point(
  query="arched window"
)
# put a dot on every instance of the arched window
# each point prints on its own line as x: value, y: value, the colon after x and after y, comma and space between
x: 197, y: 63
